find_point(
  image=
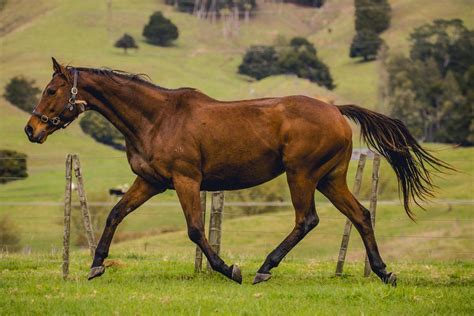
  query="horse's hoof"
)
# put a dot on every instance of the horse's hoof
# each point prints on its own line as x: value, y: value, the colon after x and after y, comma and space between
x: 96, y: 272
x: 261, y: 277
x: 392, y: 279
x: 236, y: 274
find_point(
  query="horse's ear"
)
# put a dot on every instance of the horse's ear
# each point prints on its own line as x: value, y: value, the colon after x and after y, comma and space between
x: 57, y: 67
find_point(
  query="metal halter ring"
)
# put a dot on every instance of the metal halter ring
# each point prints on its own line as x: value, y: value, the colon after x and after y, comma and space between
x: 44, y: 118
x: 74, y: 90
x: 56, y: 120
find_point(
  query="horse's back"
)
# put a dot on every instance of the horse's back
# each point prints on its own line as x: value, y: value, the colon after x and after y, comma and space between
x: 250, y: 142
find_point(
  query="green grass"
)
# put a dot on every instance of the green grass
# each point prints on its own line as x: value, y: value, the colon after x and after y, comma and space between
x: 148, y: 284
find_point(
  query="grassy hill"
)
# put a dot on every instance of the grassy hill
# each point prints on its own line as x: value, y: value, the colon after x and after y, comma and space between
x: 83, y: 32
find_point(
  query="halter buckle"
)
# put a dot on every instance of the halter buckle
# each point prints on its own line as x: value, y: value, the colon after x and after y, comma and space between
x: 55, y: 121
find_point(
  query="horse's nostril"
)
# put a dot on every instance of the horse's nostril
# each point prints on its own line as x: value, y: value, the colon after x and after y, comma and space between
x: 29, y: 130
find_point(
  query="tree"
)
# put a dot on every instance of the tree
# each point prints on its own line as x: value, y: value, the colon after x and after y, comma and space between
x: 366, y: 43
x: 302, y: 43
x: 448, y: 42
x: 12, y: 165
x: 260, y: 62
x: 22, y: 93
x: 309, y: 3
x: 160, y: 30
x: 432, y: 91
x: 300, y: 58
x: 101, y: 130
x: 373, y: 15
x: 296, y: 57
x: 126, y: 42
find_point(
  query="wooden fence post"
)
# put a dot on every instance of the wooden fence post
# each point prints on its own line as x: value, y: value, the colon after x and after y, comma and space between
x: 198, y: 257
x: 348, y: 226
x: 67, y: 216
x: 373, y: 202
x: 84, y: 207
x: 215, y: 223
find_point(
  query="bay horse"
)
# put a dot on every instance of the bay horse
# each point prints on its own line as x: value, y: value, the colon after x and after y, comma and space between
x: 184, y: 140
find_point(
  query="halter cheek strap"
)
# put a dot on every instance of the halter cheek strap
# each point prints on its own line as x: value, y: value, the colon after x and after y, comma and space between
x: 79, y: 106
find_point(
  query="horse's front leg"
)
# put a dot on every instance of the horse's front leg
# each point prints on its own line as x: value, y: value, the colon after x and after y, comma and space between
x: 187, y: 189
x: 138, y: 194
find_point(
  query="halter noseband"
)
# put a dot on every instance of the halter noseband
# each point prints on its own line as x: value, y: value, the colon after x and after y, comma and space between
x: 78, y: 105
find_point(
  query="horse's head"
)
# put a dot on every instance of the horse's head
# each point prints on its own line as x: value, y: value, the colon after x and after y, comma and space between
x: 58, y: 106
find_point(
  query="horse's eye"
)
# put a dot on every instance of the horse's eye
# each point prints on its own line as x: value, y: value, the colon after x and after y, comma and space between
x: 50, y: 91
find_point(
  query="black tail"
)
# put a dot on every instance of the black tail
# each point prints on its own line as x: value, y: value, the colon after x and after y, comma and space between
x: 411, y: 163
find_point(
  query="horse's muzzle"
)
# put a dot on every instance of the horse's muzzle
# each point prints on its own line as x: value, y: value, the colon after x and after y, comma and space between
x: 40, y: 138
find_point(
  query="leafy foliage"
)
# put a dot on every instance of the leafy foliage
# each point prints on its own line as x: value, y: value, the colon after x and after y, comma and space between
x: 9, y: 234
x: 12, y: 165
x: 101, y: 130
x: 260, y: 62
x: 296, y: 57
x: 366, y: 44
x: 432, y: 90
x: 22, y: 93
x: 372, y: 15
x: 308, y: 3
x: 160, y: 30
x: 126, y: 42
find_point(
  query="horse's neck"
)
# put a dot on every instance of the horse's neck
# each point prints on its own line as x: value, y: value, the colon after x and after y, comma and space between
x: 132, y: 108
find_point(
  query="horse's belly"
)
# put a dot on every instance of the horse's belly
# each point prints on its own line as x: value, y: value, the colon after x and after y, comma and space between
x: 226, y: 176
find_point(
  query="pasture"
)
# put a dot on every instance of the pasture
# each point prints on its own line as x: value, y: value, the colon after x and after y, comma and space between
x: 151, y: 284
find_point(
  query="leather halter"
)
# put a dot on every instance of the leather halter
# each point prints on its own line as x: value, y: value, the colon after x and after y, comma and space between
x: 79, y: 106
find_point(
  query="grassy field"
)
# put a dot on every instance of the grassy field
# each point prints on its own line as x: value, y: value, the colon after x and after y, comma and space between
x: 146, y: 284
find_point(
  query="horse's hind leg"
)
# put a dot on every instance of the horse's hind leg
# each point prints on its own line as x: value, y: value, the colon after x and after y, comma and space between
x: 334, y: 187
x: 302, y: 188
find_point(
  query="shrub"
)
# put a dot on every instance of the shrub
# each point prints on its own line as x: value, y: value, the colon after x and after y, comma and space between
x: 101, y: 130
x: 10, y: 235
x: 160, y: 30
x: 373, y: 15
x: 22, y: 93
x: 308, y: 3
x: 126, y: 42
x: 296, y: 57
x: 260, y: 62
x: 366, y: 44
x: 12, y: 166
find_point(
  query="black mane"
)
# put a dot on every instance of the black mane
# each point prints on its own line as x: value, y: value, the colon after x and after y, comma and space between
x: 113, y: 74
